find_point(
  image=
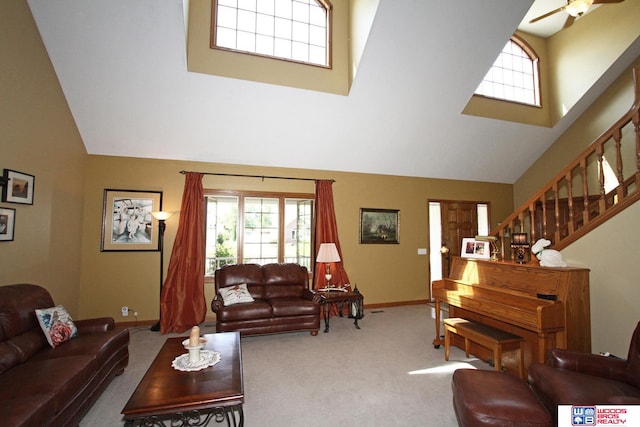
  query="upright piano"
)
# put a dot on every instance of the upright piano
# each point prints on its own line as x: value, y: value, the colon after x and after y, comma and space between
x: 548, y: 307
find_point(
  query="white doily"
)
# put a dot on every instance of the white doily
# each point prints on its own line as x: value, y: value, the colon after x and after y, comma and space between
x: 207, y: 358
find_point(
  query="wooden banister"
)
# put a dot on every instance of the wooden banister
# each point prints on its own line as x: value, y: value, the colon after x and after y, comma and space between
x: 588, y: 191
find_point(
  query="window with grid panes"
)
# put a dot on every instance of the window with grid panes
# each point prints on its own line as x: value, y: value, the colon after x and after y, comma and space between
x: 252, y: 228
x: 514, y: 75
x: 296, y: 30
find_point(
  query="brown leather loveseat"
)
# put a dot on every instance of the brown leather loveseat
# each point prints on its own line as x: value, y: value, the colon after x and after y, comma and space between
x: 41, y: 385
x: 266, y: 299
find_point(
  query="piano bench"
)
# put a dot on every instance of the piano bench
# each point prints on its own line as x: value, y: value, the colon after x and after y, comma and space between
x: 486, y: 336
x: 490, y: 398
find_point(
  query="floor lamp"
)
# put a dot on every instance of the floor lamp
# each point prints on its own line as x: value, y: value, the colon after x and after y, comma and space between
x: 161, y: 217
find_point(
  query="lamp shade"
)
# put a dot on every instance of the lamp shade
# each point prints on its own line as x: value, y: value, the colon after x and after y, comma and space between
x: 519, y: 239
x: 161, y: 215
x: 328, y: 253
x: 481, y: 238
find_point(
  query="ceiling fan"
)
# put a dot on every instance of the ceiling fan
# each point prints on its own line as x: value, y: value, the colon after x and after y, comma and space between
x: 575, y: 9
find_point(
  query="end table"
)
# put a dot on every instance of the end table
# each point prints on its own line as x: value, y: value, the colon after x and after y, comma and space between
x: 338, y: 297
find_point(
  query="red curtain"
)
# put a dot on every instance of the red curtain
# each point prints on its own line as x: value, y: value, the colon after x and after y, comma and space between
x: 182, y: 303
x: 326, y: 230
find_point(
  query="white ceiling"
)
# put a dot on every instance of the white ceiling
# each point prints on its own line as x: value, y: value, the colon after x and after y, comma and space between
x: 122, y: 67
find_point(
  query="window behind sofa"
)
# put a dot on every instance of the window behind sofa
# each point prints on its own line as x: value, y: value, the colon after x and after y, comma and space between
x: 257, y: 228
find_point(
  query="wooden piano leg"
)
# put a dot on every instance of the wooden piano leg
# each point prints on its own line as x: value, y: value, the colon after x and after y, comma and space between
x: 546, y: 342
x: 437, y: 340
x: 447, y: 342
x: 521, y: 360
x: 497, y: 357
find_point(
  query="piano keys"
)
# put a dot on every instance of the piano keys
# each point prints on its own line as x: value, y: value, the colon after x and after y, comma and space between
x: 547, y: 306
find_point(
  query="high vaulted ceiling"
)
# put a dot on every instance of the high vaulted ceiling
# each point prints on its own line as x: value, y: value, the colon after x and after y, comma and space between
x: 122, y: 67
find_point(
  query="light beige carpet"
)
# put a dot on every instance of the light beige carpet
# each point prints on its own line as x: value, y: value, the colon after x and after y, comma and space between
x: 385, y: 374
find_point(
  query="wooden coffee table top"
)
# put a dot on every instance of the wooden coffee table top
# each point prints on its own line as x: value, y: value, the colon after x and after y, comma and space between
x: 165, y: 390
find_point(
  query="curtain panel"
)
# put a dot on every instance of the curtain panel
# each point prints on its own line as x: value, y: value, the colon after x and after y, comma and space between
x: 326, y: 229
x: 182, y: 303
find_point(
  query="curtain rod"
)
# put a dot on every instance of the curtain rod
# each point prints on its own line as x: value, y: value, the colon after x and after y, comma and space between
x: 255, y: 176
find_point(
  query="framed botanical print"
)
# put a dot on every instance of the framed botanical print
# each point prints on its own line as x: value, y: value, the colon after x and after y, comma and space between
x: 127, y: 223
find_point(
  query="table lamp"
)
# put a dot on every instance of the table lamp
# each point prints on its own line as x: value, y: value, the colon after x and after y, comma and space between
x: 519, y: 243
x: 328, y: 253
x: 492, y: 242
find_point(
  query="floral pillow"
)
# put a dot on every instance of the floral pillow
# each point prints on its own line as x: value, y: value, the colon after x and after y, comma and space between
x: 235, y: 294
x: 56, y: 325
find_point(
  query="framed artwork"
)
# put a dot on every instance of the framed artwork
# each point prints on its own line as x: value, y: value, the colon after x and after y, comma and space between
x: 18, y: 187
x: 7, y: 224
x: 127, y: 223
x: 379, y: 226
x: 472, y: 248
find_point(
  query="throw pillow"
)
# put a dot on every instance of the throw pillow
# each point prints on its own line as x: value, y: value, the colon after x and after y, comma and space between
x: 235, y: 294
x: 56, y: 325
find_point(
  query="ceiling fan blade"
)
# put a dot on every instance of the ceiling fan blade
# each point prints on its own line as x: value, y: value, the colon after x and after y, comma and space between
x: 570, y: 20
x: 560, y: 9
x: 606, y: 1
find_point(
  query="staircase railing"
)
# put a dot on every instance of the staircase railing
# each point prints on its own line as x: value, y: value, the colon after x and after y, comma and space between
x: 587, y: 192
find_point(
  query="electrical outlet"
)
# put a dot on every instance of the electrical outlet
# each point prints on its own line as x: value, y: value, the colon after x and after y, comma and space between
x: 125, y: 311
x: 135, y: 314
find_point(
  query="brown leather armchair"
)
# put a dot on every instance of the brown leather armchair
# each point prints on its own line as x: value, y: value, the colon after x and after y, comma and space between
x: 573, y: 378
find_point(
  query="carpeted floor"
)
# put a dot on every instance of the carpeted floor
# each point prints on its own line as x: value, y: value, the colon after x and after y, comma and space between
x: 385, y: 374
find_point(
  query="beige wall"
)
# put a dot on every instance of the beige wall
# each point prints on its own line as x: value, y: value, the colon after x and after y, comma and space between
x: 384, y: 273
x: 361, y: 17
x: 610, y: 253
x: 607, y: 251
x: 583, y: 52
x: 38, y: 136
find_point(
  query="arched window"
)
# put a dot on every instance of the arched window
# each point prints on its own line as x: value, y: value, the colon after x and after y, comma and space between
x: 514, y: 76
x: 296, y: 30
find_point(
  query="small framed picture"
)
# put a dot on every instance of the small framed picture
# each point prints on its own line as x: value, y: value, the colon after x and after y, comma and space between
x: 127, y: 223
x: 472, y: 248
x: 7, y: 224
x: 18, y: 187
x: 379, y: 226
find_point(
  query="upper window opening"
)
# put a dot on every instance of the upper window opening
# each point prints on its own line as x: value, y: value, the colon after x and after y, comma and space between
x: 296, y: 30
x: 514, y: 75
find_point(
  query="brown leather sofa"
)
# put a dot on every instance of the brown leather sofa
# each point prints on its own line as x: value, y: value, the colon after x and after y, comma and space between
x: 45, y: 386
x: 573, y: 378
x: 282, y: 300
x: 491, y: 398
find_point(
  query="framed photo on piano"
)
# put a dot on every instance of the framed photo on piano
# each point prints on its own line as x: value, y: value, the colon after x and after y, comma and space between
x: 472, y: 248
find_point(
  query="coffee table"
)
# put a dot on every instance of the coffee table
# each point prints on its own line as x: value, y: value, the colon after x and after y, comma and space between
x: 169, y: 397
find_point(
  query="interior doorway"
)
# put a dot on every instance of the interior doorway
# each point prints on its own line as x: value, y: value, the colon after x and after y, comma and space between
x: 449, y: 222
